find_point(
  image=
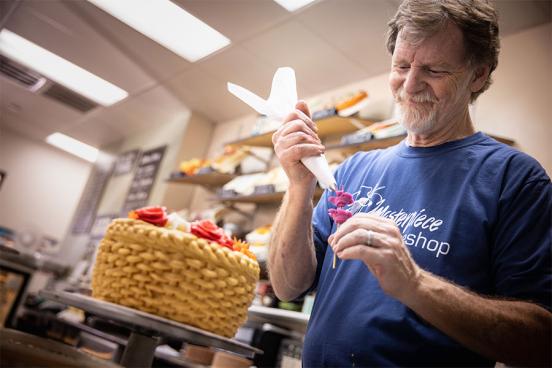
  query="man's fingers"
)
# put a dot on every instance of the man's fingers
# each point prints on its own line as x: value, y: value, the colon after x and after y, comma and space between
x: 357, y: 237
x: 371, y: 256
x: 302, y: 106
x: 297, y: 138
x: 297, y: 152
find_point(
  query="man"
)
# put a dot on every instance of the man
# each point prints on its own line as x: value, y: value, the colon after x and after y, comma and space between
x: 446, y: 260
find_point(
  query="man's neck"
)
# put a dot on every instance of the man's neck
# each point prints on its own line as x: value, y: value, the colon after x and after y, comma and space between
x: 450, y: 132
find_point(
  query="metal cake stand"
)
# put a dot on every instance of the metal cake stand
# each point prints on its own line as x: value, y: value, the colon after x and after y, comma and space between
x: 147, y: 330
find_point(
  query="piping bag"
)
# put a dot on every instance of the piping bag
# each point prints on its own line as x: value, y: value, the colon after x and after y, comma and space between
x: 280, y: 103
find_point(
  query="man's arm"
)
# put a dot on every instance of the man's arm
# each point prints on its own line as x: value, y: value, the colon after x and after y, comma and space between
x: 511, y: 332
x: 291, y: 259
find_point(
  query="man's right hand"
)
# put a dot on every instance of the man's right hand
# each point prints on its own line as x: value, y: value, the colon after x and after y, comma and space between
x: 295, y: 139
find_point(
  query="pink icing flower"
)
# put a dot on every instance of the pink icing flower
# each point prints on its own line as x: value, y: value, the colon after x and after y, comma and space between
x: 339, y: 215
x: 341, y: 199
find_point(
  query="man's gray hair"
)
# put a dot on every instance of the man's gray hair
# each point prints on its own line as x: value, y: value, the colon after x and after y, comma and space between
x: 476, y: 18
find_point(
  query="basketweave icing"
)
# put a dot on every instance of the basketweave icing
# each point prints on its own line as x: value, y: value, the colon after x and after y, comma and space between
x: 175, y: 275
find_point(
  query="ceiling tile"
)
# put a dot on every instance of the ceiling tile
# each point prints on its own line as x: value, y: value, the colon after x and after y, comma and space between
x: 154, y: 60
x: 53, y: 26
x: 236, y: 19
x: 355, y: 27
x: 95, y: 132
x: 207, y: 94
x: 157, y: 105
x: 318, y: 65
x: 239, y: 66
x: 19, y: 103
x: 517, y: 15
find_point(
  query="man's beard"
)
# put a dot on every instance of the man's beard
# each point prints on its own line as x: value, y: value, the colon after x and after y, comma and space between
x: 420, y: 117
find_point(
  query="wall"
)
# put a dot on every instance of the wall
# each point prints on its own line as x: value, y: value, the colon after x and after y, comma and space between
x: 516, y: 106
x: 42, y: 188
x: 518, y: 103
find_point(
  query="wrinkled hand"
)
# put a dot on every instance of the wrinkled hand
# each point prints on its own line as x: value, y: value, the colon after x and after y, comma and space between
x: 383, y: 252
x: 295, y: 139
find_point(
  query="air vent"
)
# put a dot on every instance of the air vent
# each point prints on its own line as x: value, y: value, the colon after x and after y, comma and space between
x: 20, y: 74
x: 68, y: 97
x: 36, y: 83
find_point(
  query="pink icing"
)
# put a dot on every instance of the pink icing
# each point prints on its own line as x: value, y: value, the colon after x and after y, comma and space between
x: 339, y: 215
x: 340, y: 200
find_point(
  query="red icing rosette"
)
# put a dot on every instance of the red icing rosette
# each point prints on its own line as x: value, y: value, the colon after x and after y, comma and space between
x: 207, y: 229
x: 154, y: 215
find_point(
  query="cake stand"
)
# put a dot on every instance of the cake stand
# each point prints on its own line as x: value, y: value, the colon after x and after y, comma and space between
x: 147, y: 330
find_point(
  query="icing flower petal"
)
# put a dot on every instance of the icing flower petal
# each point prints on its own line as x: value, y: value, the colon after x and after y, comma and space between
x: 341, y: 198
x: 339, y: 215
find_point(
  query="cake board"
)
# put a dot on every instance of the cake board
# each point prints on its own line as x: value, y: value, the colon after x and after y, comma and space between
x: 147, y: 329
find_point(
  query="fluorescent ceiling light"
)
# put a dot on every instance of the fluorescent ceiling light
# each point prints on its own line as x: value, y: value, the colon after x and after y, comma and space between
x: 73, y: 146
x: 292, y: 5
x: 59, y: 70
x: 167, y: 24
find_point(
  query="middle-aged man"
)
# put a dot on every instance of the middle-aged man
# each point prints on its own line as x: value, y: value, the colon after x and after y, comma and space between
x: 447, y: 259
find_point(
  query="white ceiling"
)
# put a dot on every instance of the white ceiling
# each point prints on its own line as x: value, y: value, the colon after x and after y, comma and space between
x: 329, y: 43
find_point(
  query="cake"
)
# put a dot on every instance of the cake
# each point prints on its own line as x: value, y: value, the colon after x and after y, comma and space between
x: 190, y: 273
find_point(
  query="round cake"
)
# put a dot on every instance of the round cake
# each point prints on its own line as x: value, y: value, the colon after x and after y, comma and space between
x: 176, y: 274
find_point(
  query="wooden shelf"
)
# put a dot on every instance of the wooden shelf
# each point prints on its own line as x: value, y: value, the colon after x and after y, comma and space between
x: 368, y: 145
x: 388, y: 142
x: 209, y: 180
x: 335, y: 125
x: 263, y: 198
x: 507, y: 141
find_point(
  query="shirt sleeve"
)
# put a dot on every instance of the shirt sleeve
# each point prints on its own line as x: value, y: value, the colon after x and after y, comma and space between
x: 522, y: 251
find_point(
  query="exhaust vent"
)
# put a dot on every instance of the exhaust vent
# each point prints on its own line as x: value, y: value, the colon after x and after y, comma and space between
x: 31, y: 80
x: 36, y: 83
x: 68, y: 97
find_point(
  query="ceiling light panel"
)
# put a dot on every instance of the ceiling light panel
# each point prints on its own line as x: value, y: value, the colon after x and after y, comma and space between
x: 73, y: 146
x: 167, y: 24
x: 293, y: 5
x: 59, y: 70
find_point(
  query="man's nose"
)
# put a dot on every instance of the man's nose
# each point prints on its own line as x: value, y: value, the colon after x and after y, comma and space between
x: 414, y: 81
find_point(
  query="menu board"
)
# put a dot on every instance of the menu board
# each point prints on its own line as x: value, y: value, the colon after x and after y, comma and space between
x: 125, y: 162
x: 144, y: 178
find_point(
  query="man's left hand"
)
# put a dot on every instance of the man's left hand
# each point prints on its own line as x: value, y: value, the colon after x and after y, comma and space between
x: 378, y: 242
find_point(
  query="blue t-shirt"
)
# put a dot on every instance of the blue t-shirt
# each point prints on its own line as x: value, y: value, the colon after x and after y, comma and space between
x: 473, y: 211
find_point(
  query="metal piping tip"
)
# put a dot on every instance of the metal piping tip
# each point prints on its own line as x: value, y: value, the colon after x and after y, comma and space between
x: 333, y: 186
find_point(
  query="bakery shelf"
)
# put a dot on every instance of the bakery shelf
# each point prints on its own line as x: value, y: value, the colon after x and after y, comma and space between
x: 387, y: 142
x: 275, y: 197
x: 335, y: 125
x: 368, y: 145
x: 281, y: 317
x: 210, y: 179
x: 507, y: 141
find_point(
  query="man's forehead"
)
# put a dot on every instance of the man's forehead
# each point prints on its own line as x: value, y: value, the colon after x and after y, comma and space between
x: 445, y: 47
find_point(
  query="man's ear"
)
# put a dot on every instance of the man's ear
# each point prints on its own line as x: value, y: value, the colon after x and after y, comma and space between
x: 480, y: 76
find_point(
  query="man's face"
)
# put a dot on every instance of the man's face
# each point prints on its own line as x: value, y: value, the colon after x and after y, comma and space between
x: 430, y: 81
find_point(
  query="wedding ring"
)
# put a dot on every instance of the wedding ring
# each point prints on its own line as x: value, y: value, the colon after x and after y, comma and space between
x: 370, y: 236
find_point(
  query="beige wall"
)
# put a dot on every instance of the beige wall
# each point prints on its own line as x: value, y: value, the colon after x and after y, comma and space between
x: 195, y: 143
x: 517, y: 105
x: 170, y: 134
x: 42, y: 188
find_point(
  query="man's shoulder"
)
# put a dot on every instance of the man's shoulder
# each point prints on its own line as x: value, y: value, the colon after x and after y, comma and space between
x: 513, y: 161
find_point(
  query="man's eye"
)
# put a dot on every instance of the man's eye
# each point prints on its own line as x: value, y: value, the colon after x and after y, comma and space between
x: 436, y: 72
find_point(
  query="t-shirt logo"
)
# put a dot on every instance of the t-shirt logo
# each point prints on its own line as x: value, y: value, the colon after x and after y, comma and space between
x: 418, y: 227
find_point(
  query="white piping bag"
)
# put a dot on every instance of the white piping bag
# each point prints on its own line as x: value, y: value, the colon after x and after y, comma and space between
x: 280, y: 103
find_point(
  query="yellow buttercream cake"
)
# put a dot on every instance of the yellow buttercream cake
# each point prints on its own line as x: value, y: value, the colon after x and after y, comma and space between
x: 176, y: 275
